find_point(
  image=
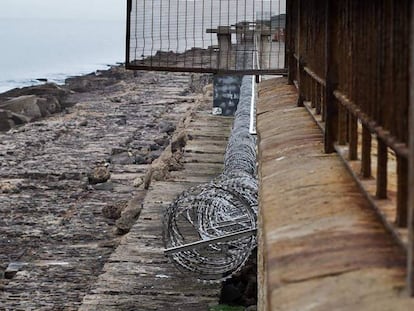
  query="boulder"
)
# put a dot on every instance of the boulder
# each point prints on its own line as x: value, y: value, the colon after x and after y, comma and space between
x: 9, y: 119
x: 130, y: 213
x: 48, y: 105
x: 48, y: 89
x: 8, y: 187
x: 123, y: 158
x: 162, y: 141
x: 6, y: 123
x: 114, y: 211
x: 32, y: 106
x: 99, y: 175
x: 166, y: 127
x: 19, y: 119
x: 25, y: 105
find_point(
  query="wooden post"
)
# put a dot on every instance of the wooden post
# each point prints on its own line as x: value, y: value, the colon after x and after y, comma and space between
x: 331, y: 117
x: 410, y: 257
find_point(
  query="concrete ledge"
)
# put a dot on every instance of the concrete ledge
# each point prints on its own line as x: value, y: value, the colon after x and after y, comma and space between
x: 321, y: 245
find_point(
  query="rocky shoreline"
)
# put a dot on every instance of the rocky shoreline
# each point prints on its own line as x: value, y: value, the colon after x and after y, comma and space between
x: 23, y: 105
x: 73, y: 160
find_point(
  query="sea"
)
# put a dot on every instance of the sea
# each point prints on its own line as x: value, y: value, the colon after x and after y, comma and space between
x: 35, y: 50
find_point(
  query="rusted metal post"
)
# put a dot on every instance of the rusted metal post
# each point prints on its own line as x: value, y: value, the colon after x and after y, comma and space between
x: 318, y: 99
x: 342, y: 125
x: 402, y: 192
x: 300, y: 64
x: 289, y: 41
x: 410, y: 205
x: 366, y: 171
x: 353, y: 138
x: 382, y: 170
x: 331, y: 117
x: 128, y: 32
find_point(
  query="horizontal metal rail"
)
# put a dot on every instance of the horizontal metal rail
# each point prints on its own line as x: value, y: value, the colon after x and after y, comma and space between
x: 204, y: 243
x: 391, y: 141
x: 281, y: 72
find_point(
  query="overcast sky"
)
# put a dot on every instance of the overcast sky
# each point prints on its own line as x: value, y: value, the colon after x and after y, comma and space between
x: 64, y: 9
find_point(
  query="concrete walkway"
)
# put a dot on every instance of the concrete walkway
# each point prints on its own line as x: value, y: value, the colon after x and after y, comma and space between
x: 322, y: 246
x: 138, y: 276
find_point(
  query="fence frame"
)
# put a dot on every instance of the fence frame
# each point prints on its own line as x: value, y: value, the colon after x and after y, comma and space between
x: 129, y: 64
x: 338, y: 115
x: 410, y: 257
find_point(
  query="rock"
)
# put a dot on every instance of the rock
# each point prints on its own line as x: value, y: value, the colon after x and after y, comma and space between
x: 138, y: 182
x: 26, y: 105
x: 48, y: 89
x: 121, y: 121
x: 48, y: 105
x: 7, y: 187
x: 139, y: 159
x: 166, y: 127
x: 162, y: 141
x: 153, y: 155
x: 252, y: 308
x: 99, y: 175
x: 114, y: 211
x: 118, y: 150
x: 154, y: 147
x: 12, y: 269
x: 123, y: 158
x: 6, y: 123
x: 131, y: 213
x: 19, y: 119
x: 179, y: 141
x: 105, y: 186
x: 175, y: 163
x: 80, y: 84
x: 91, y: 82
x: 83, y: 123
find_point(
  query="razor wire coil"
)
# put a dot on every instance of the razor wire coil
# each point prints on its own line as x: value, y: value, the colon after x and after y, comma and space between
x: 222, y: 207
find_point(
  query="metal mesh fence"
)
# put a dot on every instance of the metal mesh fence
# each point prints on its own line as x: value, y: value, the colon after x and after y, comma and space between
x: 206, y: 35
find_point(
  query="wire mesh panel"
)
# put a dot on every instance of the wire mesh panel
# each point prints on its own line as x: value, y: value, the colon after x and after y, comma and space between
x: 206, y: 35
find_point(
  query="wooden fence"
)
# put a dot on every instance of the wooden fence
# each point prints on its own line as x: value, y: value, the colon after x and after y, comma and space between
x: 352, y: 62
